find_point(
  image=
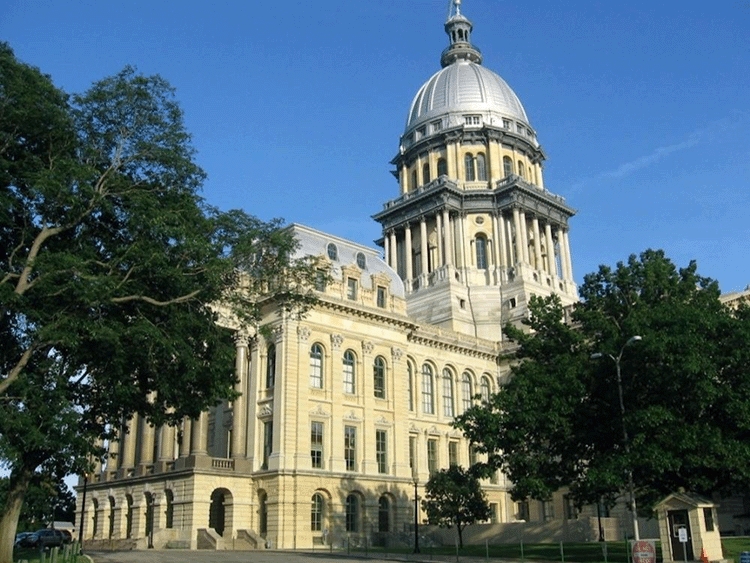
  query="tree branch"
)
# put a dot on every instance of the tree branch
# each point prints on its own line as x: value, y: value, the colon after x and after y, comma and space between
x: 152, y: 301
x: 16, y: 371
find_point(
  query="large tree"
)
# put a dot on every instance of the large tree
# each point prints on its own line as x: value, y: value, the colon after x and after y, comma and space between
x: 454, y: 497
x: 685, y: 415
x: 111, y: 271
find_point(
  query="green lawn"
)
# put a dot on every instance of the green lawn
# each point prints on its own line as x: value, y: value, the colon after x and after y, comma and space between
x: 64, y: 555
x: 732, y: 547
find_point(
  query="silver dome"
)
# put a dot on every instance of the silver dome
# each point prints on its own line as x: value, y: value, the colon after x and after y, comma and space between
x: 465, y: 87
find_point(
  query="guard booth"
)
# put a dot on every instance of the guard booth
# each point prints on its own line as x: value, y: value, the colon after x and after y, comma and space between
x: 688, y: 528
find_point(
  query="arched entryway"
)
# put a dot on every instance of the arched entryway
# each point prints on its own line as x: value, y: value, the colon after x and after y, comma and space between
x: 217, y: 514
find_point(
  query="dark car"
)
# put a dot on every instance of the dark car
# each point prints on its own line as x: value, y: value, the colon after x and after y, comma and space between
x: 20, y: 537
x: 67, y: 536
x: 47, y: 537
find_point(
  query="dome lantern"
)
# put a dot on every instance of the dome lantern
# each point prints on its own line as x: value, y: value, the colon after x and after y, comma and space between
x: 458, y: 28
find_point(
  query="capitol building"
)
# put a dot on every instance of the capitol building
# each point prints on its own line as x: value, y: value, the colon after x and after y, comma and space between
x: 344, y: 413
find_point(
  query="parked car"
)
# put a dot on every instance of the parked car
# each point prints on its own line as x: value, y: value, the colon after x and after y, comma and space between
x: 48, y: 537
x: 67, y: 536
x: 20, y: 537
x: 27, y: 540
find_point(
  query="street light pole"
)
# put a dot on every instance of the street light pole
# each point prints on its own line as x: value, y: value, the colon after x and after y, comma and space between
x: 416, y: 515
x: 625, y: 439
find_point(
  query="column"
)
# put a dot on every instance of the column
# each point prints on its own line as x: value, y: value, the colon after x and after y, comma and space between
x: 501, y: 227
x: 448, y: 237
x: 550, y: 250
x: 537, y: 244
x: 113, y: 454
x: 393, y: 263
x: 497, y: 256
x: 439, y: 227
x: 463, y: 241
x: 423, y: 245
x: 386, y: 250
x: 519, y: 234
x: 187, y: 430
x: 127, y: 443
x: 409, y: 268
x: 238, y: 405
x: 147, y: 432
x: 524, y: 238
x: 166, y: 443
x: 568, y: 260
x: 198, y: 438
x: 252, y: 393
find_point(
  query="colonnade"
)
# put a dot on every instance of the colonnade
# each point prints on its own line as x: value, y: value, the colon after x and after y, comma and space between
x: 142, y: 446
x: 512, y: 239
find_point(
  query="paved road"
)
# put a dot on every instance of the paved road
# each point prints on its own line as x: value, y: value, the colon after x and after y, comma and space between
x: 184, y: 556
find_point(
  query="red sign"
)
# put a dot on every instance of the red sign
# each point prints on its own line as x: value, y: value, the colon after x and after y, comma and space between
x: 644, y: 551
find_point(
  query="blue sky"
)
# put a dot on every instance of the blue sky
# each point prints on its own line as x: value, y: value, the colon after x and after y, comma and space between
x: 296, y: 106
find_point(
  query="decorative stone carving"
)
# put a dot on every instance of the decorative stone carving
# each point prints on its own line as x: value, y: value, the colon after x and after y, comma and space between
x: 278, y: 333
x: 367, y: 347
x: 241, y: 338
x: 303, y: 333
x: 336, y: 341
x: 397, y: 354
x: 351, y: 416
x: 320, y: 412
x: 265, y: 411
x: 383, y: 421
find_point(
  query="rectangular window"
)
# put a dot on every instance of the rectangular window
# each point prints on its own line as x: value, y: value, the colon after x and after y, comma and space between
x: 351, y: 289
x: 316, y: 444
x: 548, y: 510
x: 432, y: 458
x: 381, y: 297
x: 350, y: 447
x: 493, y: 513
x: 472, y: 120
x: 506, y: 123
x: 381, y: 450
x: 410, y: 372
x: 413, y: 455
x: 472, y: 456
x: 452, y: 453
x: 267, y: 443
x: 428, y: 402
x: 437, y: 126
x: 320, y: 280
x: 708, y: 517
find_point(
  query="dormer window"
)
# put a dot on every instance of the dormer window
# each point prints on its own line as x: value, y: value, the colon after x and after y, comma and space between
x: 437, y: 126
x: 333, y: 252
x: 472, y: 119
x: 361, y: 261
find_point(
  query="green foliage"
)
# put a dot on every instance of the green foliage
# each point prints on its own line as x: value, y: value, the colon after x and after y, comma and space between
x: 45, y: 502
x: 686, y: 390
x: 117, y: 280
x: 454, y: 497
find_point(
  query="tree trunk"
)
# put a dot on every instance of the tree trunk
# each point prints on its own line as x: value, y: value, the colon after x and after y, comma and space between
x: 19, y: 484
x: 460, y: 536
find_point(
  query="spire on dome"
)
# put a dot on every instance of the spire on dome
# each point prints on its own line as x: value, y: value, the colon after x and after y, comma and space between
x: 458, y: 28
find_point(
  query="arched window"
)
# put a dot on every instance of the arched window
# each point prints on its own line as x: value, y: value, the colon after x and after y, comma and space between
x: 426, y: 173
x: 111, y: 531
x: 413, y: 179
x: 352, y: 513
x: 428, y: 390
x: 442, y: 168
x: 378, y: 377
x: 521, y: 169
x: 271, y: 367
x: 129, y: 517
x: 262, y: 513
x: 169, y: 511
x: 95, y: 518
x: 507, y: 166
x: 316, y: 366
x: 469, y: 167
x: 384, y: 514
x: 333, y: 252
x: 410, y: 371
x: 480, y: 243
x: 481, y: 167
x: 316, y: 512
x: 349, y: 383
x: 448, y: 410
x: 467, y: 393
x: 485, y: 388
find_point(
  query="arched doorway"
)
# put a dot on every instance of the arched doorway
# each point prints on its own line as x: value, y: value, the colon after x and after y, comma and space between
x: 129, y: 517
x: 220, y: 498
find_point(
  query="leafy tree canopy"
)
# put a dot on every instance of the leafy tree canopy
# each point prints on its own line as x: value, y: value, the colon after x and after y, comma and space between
x: 685, y: 384
x: 112, y: 267
x: 454, y: 497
